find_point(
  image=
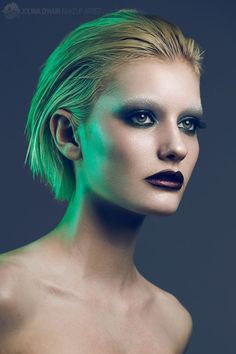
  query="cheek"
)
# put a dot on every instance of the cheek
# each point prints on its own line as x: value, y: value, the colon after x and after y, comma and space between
x: 194, y: 150
x: 128, y: 151
x: 192, y: 157
x: 109, y: 161
x: 117, y: 155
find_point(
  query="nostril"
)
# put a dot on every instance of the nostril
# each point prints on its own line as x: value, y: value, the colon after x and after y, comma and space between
x: 172, y: 157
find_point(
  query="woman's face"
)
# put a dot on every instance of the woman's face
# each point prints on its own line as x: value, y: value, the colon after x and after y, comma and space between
x: 121, y: 146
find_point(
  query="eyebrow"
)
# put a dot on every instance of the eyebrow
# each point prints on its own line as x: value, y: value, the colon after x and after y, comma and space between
x: 135, y: 103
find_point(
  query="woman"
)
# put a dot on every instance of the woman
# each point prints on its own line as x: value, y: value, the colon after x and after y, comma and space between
x: 112, y: 129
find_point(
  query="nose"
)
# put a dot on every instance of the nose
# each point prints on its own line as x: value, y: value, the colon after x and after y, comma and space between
x: 171, y: 144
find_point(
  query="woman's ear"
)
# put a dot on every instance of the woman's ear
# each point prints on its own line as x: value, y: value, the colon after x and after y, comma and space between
x: 63, y: 135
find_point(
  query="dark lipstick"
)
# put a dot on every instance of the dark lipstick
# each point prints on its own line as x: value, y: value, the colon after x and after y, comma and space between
x: 167, y: 179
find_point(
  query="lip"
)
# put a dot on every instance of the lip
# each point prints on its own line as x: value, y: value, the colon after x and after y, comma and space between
x: 167, y: 179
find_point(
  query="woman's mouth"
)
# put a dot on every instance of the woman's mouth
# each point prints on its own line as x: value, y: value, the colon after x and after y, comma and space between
x: 167, y: 179
x: 165, y: 184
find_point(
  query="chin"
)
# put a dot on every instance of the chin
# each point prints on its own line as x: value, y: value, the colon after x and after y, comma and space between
x: 160, y: 205
x: 163, y: 212
x: 156, y: 209
x: 164, y: 205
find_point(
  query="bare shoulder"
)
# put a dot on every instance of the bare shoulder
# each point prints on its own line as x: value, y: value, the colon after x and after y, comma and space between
x: 179, y: 312
x: 177, y: 319
x: 13, y: 292
x: 9, y: 278
x: 8, y: 291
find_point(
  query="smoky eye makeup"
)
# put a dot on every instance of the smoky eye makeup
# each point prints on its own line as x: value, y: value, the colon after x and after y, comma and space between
x: 137, y: 115
x: 140, y: 117
x: 195, y: 124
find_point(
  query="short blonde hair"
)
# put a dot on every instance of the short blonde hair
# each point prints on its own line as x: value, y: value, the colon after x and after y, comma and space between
x: 76, y: 72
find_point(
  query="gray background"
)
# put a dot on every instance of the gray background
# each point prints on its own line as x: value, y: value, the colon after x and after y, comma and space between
x: 191, y: 253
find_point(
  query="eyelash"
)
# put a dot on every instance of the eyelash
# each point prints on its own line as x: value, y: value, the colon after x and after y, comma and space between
x: 198, y: 124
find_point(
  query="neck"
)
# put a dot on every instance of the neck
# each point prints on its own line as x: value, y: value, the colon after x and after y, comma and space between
x: 100, y: 239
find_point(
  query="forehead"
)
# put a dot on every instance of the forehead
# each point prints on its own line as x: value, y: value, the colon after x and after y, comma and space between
x: 172, y: 83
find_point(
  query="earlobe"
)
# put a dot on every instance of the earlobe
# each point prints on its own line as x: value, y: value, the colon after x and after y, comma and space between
x: 63, y: 135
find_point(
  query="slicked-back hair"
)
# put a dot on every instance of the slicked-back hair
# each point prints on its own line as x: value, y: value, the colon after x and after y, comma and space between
x: 76, y: 73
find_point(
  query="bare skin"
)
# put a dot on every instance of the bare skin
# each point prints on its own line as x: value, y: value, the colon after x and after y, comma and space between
x: 76, y: 290
x: 44, y: 311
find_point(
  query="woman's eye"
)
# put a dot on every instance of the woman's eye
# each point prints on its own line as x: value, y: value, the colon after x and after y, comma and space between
x: 141, y: 118
x: 144, y: 118
x: 190, y: 125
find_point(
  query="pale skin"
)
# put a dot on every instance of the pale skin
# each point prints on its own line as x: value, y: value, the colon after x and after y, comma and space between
x: 77, y: 290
